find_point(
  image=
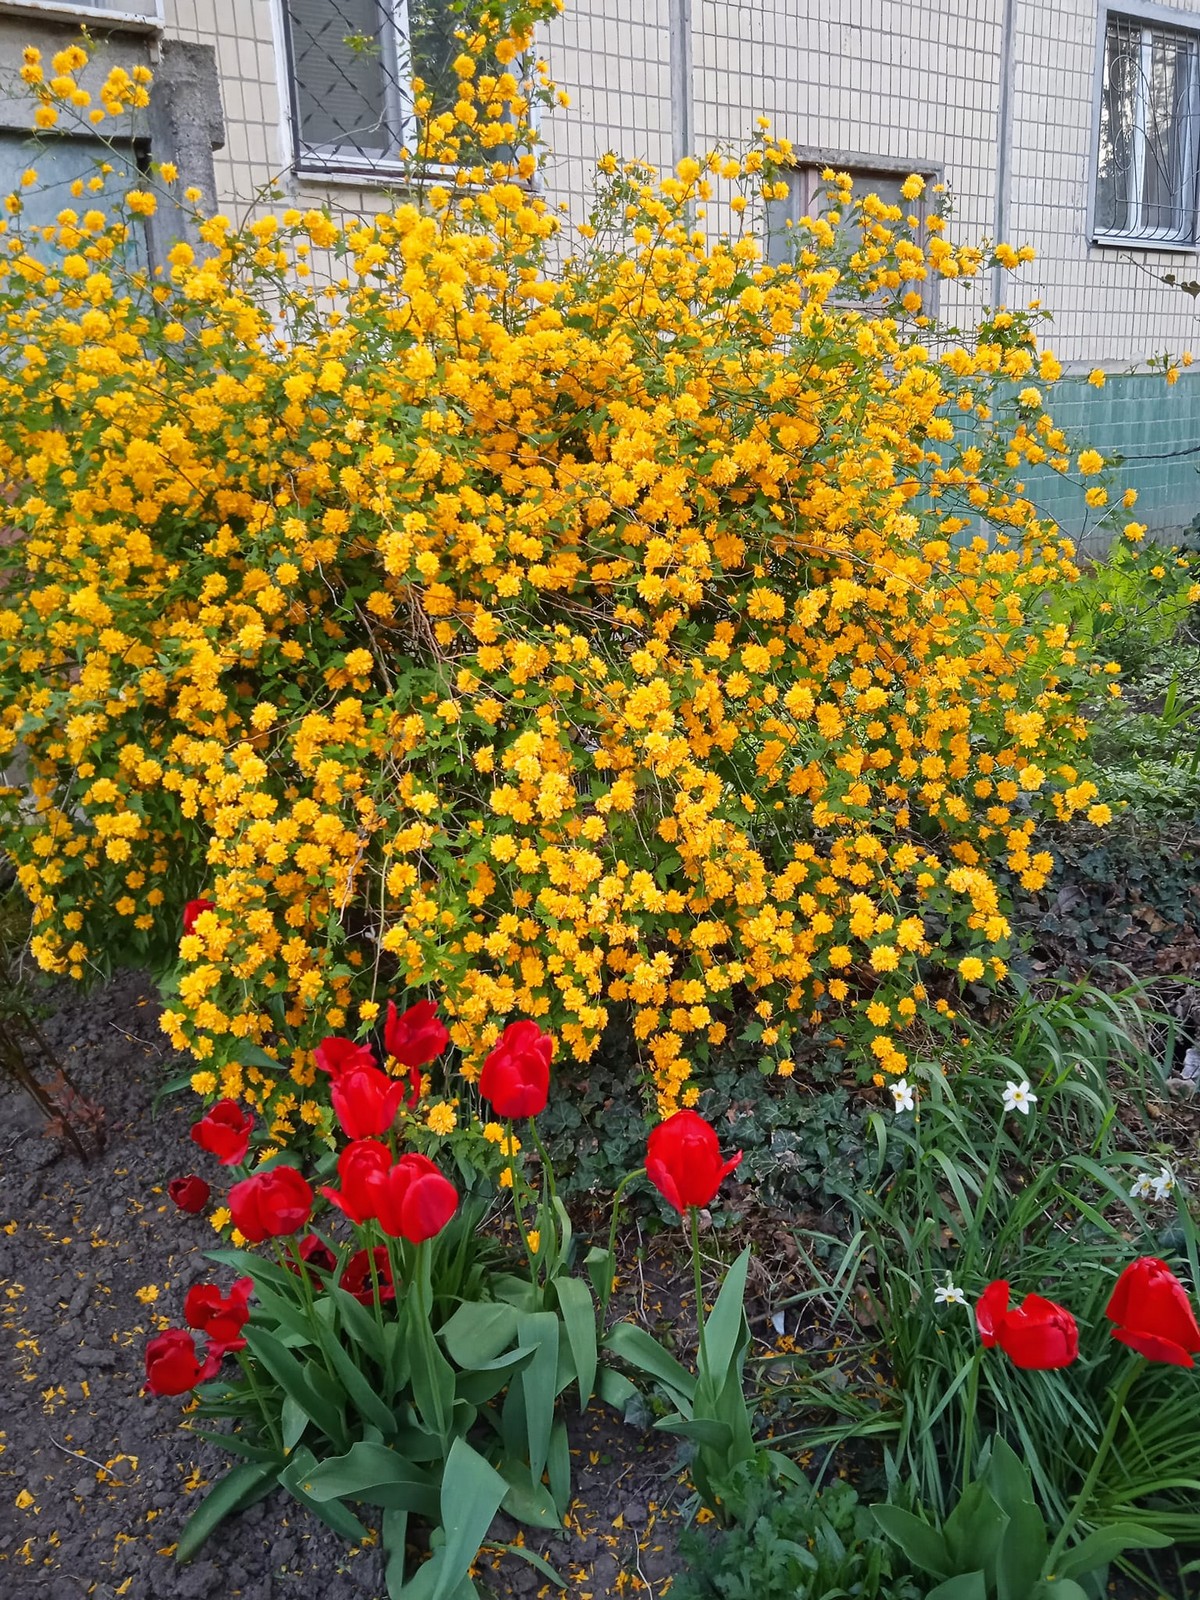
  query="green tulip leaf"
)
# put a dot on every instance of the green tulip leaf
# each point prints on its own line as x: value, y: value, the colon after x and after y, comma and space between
x: 240, y: 1487
x: 478, y: 1332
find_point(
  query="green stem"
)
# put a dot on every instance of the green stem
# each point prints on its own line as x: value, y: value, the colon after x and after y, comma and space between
x: 247, y: 1367
x: 612, y: 1238
x: 1120, y: 1395
x: 517, y: 1168
x: 547, y: 1166
x: 969, y: 1417
x: 703, y: 1361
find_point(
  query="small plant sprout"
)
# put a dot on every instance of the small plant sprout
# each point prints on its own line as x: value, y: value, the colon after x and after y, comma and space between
x: 1019, y: 1097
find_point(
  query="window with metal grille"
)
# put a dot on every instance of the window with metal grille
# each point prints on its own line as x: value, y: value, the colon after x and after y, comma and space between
x: 351, y: 66
x: 1147, y: 168
x: 808, y: 196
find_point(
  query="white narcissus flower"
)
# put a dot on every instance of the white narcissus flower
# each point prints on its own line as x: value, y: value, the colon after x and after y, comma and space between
x: 1164, y: 1185
x: 1143, y: 1187
x: 1018, y: 1097
x: 949, y: 1294
x: 903, y: 1095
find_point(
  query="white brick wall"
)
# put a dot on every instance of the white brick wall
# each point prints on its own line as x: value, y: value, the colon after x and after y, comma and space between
x: 908, y: 79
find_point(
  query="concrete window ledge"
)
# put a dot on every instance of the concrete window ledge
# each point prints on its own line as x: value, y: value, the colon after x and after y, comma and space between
x: 140, y: 16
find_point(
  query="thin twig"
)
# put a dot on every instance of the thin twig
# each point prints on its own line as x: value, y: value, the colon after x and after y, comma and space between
x: 118, y: 1483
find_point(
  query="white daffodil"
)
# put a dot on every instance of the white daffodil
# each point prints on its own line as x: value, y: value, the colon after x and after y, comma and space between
x: 1019, y: 1097
x: 949, y: 1294
x: 1164, y: 1185
x: 903, y: 1096
x: 1143, y: 1187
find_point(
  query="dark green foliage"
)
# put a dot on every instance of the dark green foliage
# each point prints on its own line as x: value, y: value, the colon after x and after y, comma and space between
x: 802, y: 1137
x: 793, y: 1542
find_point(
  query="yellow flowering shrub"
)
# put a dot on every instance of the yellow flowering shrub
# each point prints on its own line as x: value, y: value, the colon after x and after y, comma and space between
x: 572, y: 624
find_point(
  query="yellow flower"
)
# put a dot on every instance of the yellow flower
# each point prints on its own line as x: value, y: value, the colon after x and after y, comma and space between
x: 971, y: 968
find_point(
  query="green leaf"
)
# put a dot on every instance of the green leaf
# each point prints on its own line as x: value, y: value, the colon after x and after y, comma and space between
x: 964, y: 1586
x: 579, y: 1319
x: 534, y: 1560
x: 1105, y: 1545
x: 432, y: 1375
x: 294, y: 1381
x: 370, y: 1407
x: 531, y: 1503
x: 558, y: 1467
x: 376, y: 1475
x: 471, y: 1495
x: 331, y: 1512
x: 724, y: 1326
x: 615, y: 1389
x: 478, y: 1331
x: 539, y: 1328
x: 598, y: 1264
x: 361, y: 1327
x: 293, y: 1421
x: 643, y: 1352
x: 974, y: 1529
x: 481, y: 1385
x: 706, y: 1431
x: 240, y: 1487
x: 923, y: 1545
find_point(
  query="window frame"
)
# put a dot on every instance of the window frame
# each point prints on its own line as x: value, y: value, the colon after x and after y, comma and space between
x: 816, y: 158
x: 332, y: 161
x: 138, y: 16
x: 1145, y: 14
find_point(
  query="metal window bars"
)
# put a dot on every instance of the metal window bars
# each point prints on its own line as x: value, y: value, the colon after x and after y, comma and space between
x: 1146, y: 181
x: 351, y: 65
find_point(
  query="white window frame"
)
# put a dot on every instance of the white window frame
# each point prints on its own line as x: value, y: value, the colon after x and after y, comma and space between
x: 139, y: 16
x: 1148, y: 16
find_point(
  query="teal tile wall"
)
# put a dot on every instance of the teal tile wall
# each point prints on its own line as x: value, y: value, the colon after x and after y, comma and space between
x: 1154, y: 432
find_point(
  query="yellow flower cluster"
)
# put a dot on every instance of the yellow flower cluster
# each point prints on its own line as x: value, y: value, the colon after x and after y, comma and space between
x: 655, y: 634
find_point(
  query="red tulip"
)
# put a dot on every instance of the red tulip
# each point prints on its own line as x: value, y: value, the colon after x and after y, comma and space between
x: 683, y: 1160
x: 516, y: 1075
x: 990, y: 1310
x: 335, y: 1056
x: 410, y: 1199
x: 1153, y: 1313
x: 416, y: 1036
x: 366, y: 1101
x: 172, y: 1366
x: 315, y: 1256
x: 224, y: 1131
x: 270, y: 1204
x: 192, y: 910
x: 357, y: 1279
x: 1037, y: 1335
x: 190, y: 1193
x: 221, y: 1317
x: 362, y: 1171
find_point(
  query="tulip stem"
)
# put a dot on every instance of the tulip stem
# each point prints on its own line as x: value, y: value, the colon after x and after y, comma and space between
x: 547, y: 1167
x: 969, y: 1417
x: 1120, y: 1395
x: 517, y: 1168
x: 247, y: 1367
x: 612, y: 1237
x: 703, y: 1355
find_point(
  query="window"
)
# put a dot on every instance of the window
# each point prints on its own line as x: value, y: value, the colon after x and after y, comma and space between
x: 808, y: 197
x: 1146, y: 168
x: 351, y: 64
x: 142, y: 15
